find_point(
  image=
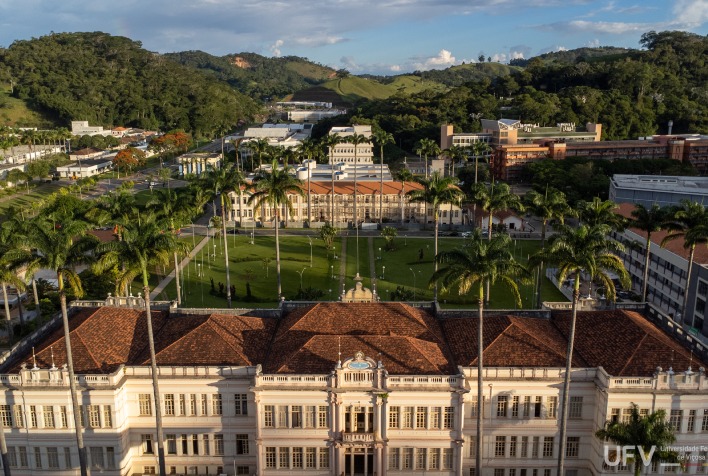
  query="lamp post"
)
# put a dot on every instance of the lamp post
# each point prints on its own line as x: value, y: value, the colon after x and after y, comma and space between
x: 331, y: 270
x: 413, y: 282
x: 379, y: 254
x: 310, y: 239
x: 301, y: 273
x: 383, y: 273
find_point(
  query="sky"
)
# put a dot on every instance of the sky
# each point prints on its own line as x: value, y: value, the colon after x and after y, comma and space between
x: 365, y: 36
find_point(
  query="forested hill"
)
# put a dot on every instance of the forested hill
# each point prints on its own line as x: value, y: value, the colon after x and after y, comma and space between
x: 111, y: 80
x: 258, y: 76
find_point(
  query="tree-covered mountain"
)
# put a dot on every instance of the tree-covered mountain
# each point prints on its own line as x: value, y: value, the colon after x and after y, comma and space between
x: 111, y: 80
x: 258, y: 76
x: 585, y: 54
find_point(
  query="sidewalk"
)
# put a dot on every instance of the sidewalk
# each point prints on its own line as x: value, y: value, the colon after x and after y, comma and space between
x: 168, y: 279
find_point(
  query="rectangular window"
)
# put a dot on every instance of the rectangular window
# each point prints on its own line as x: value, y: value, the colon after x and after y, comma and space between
x: 407, y: 422
x: 193, y: 404
x: 575, y: 408
x: 473, y: 447
x: 241, y: 404
x: 534, y: 446
x: 24, y: 458
x: 182, y: 404
x: 512, y: 446
x: 393, y: 417
x: 572, y: 447
x: 420, y: 454
x: 449, y: 418
x: 37, y: 458
x: 184, y: 443
x: 12, y: 456
x: 216, y: 408
x: 97, y: 457
x: 500, y: 447
x: 242, y: 444
x: 614, y: 415
x: 145, y: 404
x: 195, y: 444
x: 296, y: 416
x: 67, y: 458
x: 407, y: 458
x: 552, y: 407
x: 242, y: 471
x: 420, y: 417
x: 434, y: 458
x: 435, y: 418
x: 270, y: 457
x: 691, y: 421
x: 498, y: 472
x: 537, y: 407
x: 147, y: 444
x: 33, y: 417
x: 473, y: 407
x: 626, y: 415
x: 310, y: 416
x: 82, y: 416
x: 502, y: 403
x: 447, y: 458
x: 704, y: 424
x: 169, y: 404
x: 323, y: 417
x: 324, y: 458
x: 527, y: 407
x: 148, y: 470
x: 110, y: 457
x: 283, y: 458
x: 107, y: 417
x: 394, y: 458
x: 205, y: 444
x: 63, y: 419
x: 94, y: 414
x: 268, y: 416
x: 515, y: 406
x: 6, y: 415
x: 548, y: 447
x: 171, y: 444
x: 282, y: 416
x: 311, y: 457
x: 205, y: 405
x: 675, y: 420
x: 524, y: 446
x: 219, y: 445
x: 297, y: 458
x: 52, y: 457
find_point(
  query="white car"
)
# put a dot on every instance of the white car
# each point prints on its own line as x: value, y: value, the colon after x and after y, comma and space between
x: 466, y: 234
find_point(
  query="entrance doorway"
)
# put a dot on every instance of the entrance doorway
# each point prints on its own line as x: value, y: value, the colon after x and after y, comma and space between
x: 358, y: 465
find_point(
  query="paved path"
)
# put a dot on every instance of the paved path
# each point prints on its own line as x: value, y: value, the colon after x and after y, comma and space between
x: 185, y: 262
x: 343, y: 265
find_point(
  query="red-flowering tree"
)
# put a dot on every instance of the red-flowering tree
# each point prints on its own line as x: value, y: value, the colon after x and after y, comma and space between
x: 129, y: 158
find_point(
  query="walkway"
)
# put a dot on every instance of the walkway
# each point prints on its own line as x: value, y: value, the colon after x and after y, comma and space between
x: 161, y: 286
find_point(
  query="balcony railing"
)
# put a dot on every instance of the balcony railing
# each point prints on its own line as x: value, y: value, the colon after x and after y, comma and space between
x: 358, y: 437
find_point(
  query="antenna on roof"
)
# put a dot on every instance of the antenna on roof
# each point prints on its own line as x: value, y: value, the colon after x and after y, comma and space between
x: 34, y: 360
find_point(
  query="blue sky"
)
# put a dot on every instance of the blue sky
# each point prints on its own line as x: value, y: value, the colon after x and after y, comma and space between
x: 365, y: 36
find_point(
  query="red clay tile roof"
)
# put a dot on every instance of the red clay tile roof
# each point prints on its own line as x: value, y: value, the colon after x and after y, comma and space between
x: 407, y: 340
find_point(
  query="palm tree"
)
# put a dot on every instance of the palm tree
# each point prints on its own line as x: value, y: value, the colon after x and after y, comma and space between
x: 649, y: 220
x: 689, y: 222
x: 479, y: 262
x: 260, y: 147
x: 437, y: 190
x: 355, y: 140
x: 272, y: 189
x: 427, y: 147
x: 479, y: 149
x: 645, y: 432
x: 330, y: 141
x: 146, y: 243
x: 404, y: 175
x: 599, y: 212
x: 60, y: 249
x: 586, y: 249
x: 381, y: 137
x: 454, y: 153
x: 222, y: 182
x: 308, y: 148
x: 551, y: 205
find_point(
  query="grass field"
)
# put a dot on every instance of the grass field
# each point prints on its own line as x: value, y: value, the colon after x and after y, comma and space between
x: 23, y: 199
x: 255, y: 264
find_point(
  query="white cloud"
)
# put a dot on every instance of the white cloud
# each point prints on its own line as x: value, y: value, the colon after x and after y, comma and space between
x: 499, y: 58
x: 593, y: 43
x: 395, y: 68
x: 444, y: 59
x: 314, y: 41
x: 613, y: 28
x: 275, y: 47
x: 691, y: 13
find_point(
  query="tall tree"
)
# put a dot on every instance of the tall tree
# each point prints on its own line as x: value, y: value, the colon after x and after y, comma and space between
x: 426, y: 148
x: 259, y: 147
x: 330, y: 141
x: 598, y: 211
x: 437, y: 190
x: 60, y: 249
x: 308, y: 149
x: 355, y: 140
x: 479, y: 262
x: 644, y: 432
x: 221, y: 182
x: 690, y: 223
x: 404, y: 175
x: 589, y: 250
x: 272, y: 188
x: 382, y: 138
x: 649, y: 220
x: 551, y: 205
x: 146, y: 243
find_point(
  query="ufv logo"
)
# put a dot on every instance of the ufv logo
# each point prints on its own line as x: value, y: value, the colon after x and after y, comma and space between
x: 625, y: 454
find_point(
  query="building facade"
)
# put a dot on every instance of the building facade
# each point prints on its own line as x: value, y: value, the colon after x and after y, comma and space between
x: 662, y: 190
x: 342, y: 389
x: 349, y: 154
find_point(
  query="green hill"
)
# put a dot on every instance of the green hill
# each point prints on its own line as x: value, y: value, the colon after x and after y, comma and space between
x: 110, y: 80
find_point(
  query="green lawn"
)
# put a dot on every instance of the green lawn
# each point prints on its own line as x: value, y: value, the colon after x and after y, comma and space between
x: 21, y: 198
x: 247, y: 266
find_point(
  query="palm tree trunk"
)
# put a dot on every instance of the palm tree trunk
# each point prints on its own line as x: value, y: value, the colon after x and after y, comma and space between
x: 178, y: 287
x: 309, y: 203
x: 646, y: 269
x: 8, y: 316
x: 153, y: 371
x: 541, y: 272
x: 480, y: 379
x: 34, y: 291
x: 435, y: 224
x: 277, y: 251
x: 332, y: 197
x: 224, y: 197
x: 381, y: 194
x: 566, y: 379
x: 688, y: 282
x: 72, y: 382
x: 489, y: 237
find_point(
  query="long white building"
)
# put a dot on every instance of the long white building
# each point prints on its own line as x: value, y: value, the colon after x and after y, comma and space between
x: 343, y: 389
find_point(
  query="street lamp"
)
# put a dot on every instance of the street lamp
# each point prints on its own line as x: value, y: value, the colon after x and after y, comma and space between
x: 300, y: 273
x: 413, y: 282
x: 310, y: 239
x: 383, y: 273
x: 379, y: 254
x: 331, y: 270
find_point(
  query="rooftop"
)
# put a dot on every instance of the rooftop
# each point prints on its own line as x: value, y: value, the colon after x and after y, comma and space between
x: 663, y: 183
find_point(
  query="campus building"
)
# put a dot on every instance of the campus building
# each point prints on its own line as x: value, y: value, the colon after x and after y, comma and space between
x: 662, y: 190
x: 345, y: 152
x: 342, y: 389
x: 286, y: 136
x: 197, y: 163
